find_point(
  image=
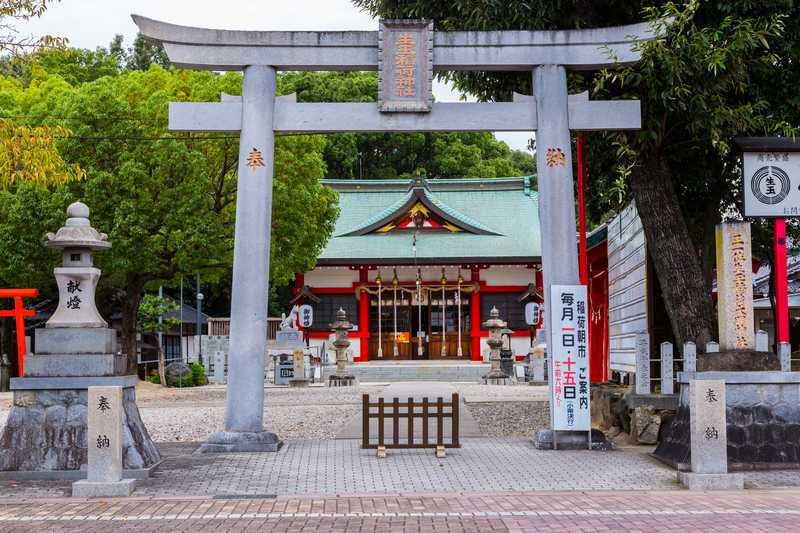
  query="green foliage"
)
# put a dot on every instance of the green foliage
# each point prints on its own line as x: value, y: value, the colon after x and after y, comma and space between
x: 167, y: 201
x: 390, y: 155
x: 198, y: 374
x: 151, y: 309
x: 154, y: 378
x: 23, y: 10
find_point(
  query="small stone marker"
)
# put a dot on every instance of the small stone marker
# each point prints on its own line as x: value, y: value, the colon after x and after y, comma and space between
x: 762, y: 341
x: 538, y: 369
x: 709, y: 438
x: 712, y: 347
x: 440, y: 452
x: 785, y: 355
x: 299, y: 365
x: 642, y: 363
x: 219, y: 367
x: 381, y: 453
x: 666, y: 368
x: 104, y: 438
x: 689, y: 357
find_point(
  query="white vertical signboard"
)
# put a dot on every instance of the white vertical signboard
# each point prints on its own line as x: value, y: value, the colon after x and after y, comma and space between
x: 569, y: 371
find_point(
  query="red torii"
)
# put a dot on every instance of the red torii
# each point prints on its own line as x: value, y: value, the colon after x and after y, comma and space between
x: 19, y: 313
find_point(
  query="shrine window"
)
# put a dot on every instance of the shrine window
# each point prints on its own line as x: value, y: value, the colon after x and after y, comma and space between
x: 508, y: 304
x: 325, y: 310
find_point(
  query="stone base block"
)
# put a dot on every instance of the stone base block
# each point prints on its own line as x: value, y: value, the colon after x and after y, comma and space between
x: 79, y: 340
x: 693, y: 481
x: 496, y: 381
x: 341, y: 381
x: 241, y: 441
x: 46, y: 432
x: 298, y: 383
x: 571, y: 440
x: 103, y: 489
x: 78, y: 365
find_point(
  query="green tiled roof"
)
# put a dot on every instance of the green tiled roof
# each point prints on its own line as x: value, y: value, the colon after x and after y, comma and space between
x: 504, y: 209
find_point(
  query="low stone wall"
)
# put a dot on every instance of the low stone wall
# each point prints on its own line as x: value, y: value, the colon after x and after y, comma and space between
x: 46, y: 431
x: 763, y: 421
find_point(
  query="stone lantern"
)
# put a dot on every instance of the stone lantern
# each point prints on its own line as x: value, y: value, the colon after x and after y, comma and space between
x: 74, y: 351
x: 495, y: 325
x: 341, y: 344
x: 77, y: 278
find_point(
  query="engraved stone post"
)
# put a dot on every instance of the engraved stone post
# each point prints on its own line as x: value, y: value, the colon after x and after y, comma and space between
x: 762, y: 341
x: 244, y: 404
x: 666, y: 368
x: 785, y: 355
x: 642, y: 363
x: 735, y: 286
x: 709, y: 439
x: 298, y: 369
x: 104, y: 439
x: 219, y: 367
x: 689, y: 357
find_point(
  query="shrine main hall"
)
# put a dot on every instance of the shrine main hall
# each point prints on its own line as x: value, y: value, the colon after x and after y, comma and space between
x: 419, y: 264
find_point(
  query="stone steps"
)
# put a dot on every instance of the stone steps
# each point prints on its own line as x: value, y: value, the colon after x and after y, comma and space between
x: 414, y: 371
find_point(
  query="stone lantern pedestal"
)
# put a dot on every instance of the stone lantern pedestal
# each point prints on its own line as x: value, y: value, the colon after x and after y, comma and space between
x: 46, y: 435
x: 341, y: 378
x: 494, y: 325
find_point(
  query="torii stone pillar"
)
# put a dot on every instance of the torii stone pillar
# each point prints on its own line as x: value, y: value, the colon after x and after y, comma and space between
x: 554, y: 173
x: 244, y: 404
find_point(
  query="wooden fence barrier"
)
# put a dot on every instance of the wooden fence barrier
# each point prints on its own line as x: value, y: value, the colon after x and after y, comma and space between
x: 398, y: 411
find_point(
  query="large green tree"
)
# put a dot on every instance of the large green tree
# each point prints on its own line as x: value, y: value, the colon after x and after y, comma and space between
x: 390, y: 155
x: 166, y: 200
x: 725, y: 69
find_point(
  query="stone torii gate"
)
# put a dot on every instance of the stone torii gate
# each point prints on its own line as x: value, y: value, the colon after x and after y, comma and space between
x: 405, y: 52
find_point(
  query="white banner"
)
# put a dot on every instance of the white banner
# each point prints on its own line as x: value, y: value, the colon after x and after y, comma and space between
x: 771, y: 181
x: 569, y: 371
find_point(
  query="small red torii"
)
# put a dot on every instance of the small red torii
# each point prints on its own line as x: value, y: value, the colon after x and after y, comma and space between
x: 19, y: 313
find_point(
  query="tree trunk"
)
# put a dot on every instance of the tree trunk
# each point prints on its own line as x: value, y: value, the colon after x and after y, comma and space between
x: 130, y: 315
x: 709, y: 252
x: 162, y: 366
x: 674, y: 257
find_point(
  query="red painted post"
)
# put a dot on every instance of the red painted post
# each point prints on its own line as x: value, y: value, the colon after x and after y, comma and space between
x: 781, y: 283
x: 363, y: 318
x: 19, y: 313
x: 475, y: 319
x: 583, y: 262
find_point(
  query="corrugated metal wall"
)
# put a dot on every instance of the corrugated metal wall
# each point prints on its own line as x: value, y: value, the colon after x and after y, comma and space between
x: 627, y: 288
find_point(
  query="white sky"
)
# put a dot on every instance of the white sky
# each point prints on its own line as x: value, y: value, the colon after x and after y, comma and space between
x: 93, y: 23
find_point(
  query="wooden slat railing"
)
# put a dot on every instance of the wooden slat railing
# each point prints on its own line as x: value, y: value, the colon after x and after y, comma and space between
x: 409, y: 411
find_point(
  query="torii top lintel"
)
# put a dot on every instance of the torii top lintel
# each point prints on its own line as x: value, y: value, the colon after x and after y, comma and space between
x: 589, y: 49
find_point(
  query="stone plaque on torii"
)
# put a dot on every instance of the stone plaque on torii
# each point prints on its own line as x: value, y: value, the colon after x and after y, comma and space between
x: 407, y: 53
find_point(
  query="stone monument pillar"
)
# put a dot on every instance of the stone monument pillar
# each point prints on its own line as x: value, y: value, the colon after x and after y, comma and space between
x: 46, y: 428
x: 735, y: 286
x: 494, y: 325
x: 342, y: 378
x: 105, y: 447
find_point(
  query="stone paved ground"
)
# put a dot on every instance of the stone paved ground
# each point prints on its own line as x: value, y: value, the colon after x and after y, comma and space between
x: 674, y: 511
x: 342, y: 467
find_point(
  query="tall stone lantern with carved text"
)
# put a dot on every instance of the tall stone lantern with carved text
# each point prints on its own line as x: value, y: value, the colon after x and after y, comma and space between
x: 77, y: 277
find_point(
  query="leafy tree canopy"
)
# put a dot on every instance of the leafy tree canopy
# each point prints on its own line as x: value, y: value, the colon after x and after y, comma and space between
x: 390, y: 155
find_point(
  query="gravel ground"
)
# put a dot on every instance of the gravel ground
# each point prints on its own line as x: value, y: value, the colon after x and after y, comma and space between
x: 192, y: 414
x: 521, y: 419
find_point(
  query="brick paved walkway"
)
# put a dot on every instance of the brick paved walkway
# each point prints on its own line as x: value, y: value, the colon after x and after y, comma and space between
x: 334, y: 467
x: 678, y: 511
